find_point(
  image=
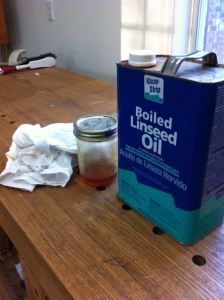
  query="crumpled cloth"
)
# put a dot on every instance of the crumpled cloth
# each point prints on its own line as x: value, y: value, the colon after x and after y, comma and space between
x: 40, y: 156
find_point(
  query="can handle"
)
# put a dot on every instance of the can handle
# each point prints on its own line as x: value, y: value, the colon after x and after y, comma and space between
x: 173, y: 63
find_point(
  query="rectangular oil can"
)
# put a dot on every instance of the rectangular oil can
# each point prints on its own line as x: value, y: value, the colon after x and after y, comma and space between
x: 171, y: 146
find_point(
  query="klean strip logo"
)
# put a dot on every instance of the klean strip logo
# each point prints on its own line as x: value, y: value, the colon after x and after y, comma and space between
x: 153, y: 88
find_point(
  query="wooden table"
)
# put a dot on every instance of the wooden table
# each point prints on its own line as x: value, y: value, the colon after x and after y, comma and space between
x: 77, y: 242
x: 4, y: 39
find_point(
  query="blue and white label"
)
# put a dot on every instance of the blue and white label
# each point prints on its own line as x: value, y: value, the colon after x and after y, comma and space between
x: 153, y: 88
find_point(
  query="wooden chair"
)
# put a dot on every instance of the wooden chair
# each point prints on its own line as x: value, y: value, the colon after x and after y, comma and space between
x: 4, y: 40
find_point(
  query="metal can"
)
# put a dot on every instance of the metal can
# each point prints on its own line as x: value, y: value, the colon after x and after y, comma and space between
x: 171, y: 143
x: 97, y: 148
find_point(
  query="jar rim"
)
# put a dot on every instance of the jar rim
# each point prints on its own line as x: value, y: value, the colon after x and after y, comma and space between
x: 95, y: 127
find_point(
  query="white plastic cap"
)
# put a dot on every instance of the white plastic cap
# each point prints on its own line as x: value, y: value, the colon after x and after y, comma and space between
x: 142, y: 58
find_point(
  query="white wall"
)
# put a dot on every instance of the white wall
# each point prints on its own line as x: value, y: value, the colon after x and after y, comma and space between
x: 85, y: 34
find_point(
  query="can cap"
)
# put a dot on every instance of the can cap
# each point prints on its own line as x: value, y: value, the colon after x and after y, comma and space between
x: 95, y: 127
x: 142, y: 58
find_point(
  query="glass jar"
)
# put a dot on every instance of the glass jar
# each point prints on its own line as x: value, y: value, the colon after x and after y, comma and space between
x: 97, y: 149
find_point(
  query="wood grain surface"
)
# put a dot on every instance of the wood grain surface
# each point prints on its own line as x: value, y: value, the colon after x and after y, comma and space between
x: 4, y: 39
x: 4, y: 243
x: 3, y: 30
x: 77, y: 241
x: 10, y: 285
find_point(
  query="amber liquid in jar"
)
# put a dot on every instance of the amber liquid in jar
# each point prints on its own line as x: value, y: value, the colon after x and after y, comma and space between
x: 99, y: 174
x: 98, y: 182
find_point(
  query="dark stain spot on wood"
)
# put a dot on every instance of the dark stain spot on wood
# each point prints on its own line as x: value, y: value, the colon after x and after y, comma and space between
x: 100, y: 188
x: 199, y: 260
x: 126, y: 207
x: 157, y: 230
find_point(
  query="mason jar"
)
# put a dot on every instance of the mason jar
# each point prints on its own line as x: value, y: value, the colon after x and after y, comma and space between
x: 96, y: 137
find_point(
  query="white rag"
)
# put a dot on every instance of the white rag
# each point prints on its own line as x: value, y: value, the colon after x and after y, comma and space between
x: 40, y: 156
